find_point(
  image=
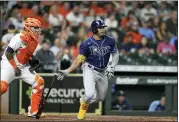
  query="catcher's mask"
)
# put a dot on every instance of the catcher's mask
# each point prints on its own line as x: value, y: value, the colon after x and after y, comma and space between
x: 33, y: 27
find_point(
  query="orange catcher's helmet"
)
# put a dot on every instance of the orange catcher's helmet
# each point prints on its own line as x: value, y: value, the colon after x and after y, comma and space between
x: 33, y: 26
x: 32, y: 22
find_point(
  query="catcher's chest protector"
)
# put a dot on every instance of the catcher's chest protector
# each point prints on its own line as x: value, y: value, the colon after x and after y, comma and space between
x: 24, y: 54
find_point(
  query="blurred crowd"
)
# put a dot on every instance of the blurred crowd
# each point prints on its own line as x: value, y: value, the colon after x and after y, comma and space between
x: 143, y: 30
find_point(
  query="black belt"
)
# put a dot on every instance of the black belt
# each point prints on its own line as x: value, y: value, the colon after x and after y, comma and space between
x: 96, y: 69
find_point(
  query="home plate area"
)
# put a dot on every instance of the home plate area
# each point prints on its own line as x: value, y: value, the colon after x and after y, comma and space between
x: 89, y: 118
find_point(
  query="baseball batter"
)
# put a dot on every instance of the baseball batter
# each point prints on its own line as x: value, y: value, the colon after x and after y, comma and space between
x: 94, y: 55
x: 15, y: 62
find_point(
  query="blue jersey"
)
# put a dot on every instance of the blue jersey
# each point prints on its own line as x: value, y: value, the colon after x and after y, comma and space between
x: 97, y: 52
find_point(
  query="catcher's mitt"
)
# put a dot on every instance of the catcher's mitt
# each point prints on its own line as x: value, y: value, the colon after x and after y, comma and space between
x: 34, y: 63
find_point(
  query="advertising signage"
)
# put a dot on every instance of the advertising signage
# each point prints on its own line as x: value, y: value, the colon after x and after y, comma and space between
x: 64, y: 96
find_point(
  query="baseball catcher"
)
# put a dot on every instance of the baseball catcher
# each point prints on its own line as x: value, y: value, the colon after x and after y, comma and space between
x: 15, y: 62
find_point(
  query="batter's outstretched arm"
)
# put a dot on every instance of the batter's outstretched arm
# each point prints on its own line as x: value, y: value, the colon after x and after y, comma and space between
x: 76, y: 63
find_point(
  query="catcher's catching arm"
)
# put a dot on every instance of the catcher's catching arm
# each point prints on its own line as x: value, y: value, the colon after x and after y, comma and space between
x: 9, y: 54
x: 34, y: 63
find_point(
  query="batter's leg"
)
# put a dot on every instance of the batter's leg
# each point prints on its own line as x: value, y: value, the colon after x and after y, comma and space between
x: 101, y: 88
x: 89, y: 85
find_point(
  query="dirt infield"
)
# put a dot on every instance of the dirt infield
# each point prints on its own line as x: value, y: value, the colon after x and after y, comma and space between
x: 89, y: 118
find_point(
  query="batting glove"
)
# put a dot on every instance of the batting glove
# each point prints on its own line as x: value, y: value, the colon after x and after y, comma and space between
x: 109, y: 72
x: 61, y: 74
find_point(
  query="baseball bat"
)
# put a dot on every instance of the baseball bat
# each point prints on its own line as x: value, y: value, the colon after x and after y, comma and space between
x: 44, y: 99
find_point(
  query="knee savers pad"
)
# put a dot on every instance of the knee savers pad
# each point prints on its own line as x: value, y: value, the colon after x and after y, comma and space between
x: 4, y: 87
x: 39, y: 83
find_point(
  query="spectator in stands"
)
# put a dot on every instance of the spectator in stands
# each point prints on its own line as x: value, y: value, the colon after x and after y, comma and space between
x: 174, y: 42
x: 11, y: 4
x: 135, y: 33
x: 66, y: 59
x: 45, y: 22
x: 116, y: 37
x: 163, y: 10
x: 165, y: 47
x: 162, y: 32
x: 158, y: 105
x: 75, y: 18
x: 34, y: 12
x: 134, y: 7
x: 121, y: 102
x: 48, y: 62
x: 64, y: 9
x: 90, y: 17
x: 148, y: 11
x: 111, y: 22
x: 128, y: 46
x: 74, y: 49
x: 146, y: 31
x: 4, y: 19
x: 145, y: 49
x: 25, y: 9
x: 172, y: 23
x: 126, y: 21
x: 155, y: 23
x: 46, y: 3
x: 44, y: 54
x: 56, y: 48
x: 63, y: 36
x: 17, y: 19
x: 7, y: 37
x: 81, y: 34
x: 98, y: 10
x: 40, y: 41
x: 55, y: 18
x: 176, y: 45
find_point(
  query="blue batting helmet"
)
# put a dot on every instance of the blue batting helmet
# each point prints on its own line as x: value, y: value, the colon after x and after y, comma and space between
x: 97, y: 24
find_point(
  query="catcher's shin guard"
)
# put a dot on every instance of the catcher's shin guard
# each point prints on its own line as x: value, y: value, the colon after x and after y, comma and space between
x: 83, y: 109
x: 37, y: 90
x: 4, y: 87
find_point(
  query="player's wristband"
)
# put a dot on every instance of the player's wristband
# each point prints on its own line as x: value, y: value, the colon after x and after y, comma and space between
x: 13, y: 63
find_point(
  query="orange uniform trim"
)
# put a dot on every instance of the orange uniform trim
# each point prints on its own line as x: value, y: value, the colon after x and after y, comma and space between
x: 4, y: 87
x: 13, y: 63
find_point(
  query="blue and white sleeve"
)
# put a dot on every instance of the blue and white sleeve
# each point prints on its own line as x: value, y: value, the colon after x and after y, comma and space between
x: 153, y: 106
x: 114, y: 47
